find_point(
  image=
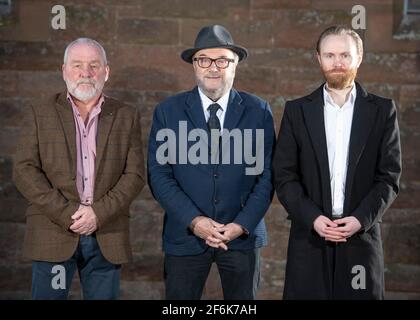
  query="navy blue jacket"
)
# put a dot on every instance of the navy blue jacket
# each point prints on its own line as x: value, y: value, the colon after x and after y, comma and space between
x: 222, y: 192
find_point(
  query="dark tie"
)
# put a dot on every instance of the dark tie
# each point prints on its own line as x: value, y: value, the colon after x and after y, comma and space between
x: 213, y: 122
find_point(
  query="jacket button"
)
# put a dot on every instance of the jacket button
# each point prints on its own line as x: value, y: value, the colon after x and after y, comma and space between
x: 216, y: 201
x: 215, y: 175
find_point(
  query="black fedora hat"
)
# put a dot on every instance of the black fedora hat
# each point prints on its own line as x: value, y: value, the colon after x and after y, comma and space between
x: 215, y: 36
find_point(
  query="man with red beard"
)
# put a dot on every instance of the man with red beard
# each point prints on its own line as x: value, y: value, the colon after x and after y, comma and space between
x: 336, y: 169
x: 79, y: 163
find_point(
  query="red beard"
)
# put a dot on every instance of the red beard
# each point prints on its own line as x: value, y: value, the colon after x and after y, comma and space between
x: 339, y: 78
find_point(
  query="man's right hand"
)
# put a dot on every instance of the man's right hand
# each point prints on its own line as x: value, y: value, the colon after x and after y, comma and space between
x: 325, y: 228
x: 206, y: 229
x: 85, y: 221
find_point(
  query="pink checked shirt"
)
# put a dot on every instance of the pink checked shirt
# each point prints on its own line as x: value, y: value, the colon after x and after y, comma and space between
x: 86, y: 150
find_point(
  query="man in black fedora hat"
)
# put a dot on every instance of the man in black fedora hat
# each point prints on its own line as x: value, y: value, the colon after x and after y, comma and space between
x: 214, y: 197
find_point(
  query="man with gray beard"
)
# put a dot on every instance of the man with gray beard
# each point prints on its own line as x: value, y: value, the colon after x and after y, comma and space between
x: 79, y: 163
x: 214, y: 210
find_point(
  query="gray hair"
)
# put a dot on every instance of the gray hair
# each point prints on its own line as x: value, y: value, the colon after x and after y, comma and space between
x: 87, y: 41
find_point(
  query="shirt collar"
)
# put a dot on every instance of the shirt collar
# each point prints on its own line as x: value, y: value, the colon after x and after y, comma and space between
x: 206, y: 101
x: 98, y: 106
x: 351, y: 98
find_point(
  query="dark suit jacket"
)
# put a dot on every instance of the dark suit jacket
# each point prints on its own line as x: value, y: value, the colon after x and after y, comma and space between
x: 45, y: 173
x: 302, y: 182
x: 222, y: 192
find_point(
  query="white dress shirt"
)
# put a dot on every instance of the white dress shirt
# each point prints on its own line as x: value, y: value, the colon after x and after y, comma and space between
x: 222, y: 102
x: 337, y: 131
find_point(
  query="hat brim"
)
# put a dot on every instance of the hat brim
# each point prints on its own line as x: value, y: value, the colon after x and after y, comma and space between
x: 188, y: 54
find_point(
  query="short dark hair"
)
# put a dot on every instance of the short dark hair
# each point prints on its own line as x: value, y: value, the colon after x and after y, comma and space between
x: 341, y: 30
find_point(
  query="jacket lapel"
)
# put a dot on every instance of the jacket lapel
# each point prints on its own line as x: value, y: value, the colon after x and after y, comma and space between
x: 313, y: 112
x: 363, y: 119
x: 194, y: 110
x: 234, y: 112
x: 106, y: 118
x: 65, y: 114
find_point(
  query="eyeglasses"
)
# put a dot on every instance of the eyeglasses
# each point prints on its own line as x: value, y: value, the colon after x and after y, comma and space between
x: 205, y: 62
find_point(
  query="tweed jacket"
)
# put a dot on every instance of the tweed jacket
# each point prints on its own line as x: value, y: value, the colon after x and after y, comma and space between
x: 45, y: 173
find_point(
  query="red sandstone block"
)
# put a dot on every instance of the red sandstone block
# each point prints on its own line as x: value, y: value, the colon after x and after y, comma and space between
x: 148, y: 31
x: 281, y: 4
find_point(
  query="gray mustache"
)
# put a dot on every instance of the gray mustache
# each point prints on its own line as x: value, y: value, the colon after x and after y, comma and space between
x: 86, y: 82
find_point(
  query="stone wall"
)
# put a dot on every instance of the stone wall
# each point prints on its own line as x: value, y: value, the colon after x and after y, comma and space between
x: 143, y: 40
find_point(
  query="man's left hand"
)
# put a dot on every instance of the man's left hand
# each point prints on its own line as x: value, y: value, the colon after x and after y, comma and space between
x: 349, y: 226
x: 85, y: 221
x: 231, y: 231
